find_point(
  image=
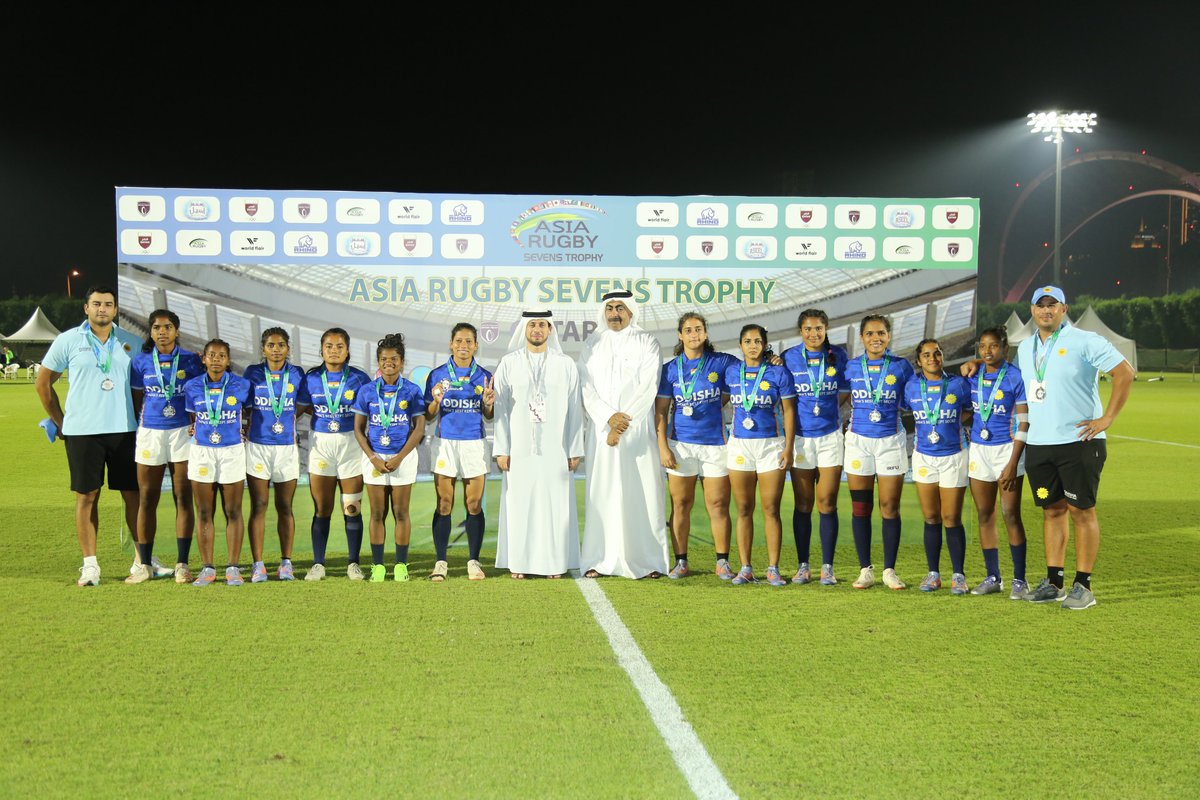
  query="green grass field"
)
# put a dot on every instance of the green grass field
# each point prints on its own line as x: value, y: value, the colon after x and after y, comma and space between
x: 501, y: 689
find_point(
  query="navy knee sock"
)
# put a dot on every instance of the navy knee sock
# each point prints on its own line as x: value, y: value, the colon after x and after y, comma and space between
x: 861, y: 502
x: 401, y: 554
x: 891, y: 542
x: 145, y: 552
x: 1018, y: 559
x: 441, y: 534
x: 933, y: 546
x: 802, y: 533
x: 376, y: 553
x: 956, y: 543
x: 320, y: 538
x: 829, y: 536
x: 354, y: 537
x: 475, y: 523
x: 991, y: 562
x: 183, y: 549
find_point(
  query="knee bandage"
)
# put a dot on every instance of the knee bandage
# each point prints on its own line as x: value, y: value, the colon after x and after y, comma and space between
x: 351, y: 503
x: 861, y: 502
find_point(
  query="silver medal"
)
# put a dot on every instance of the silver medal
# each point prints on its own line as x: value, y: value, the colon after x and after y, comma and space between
x: 1040, y: 393
x: 688, y: 411
x: 933, y: 437
x: 214, y: 437
x: 277, y: 427
x: 748, y: 423
x: 385, y: 440
x: 333, y: 426
x: 168, y: 410
x: 817, y: 410
x: 875, y: 416
x: 985, y: 434
x: 107, y: 384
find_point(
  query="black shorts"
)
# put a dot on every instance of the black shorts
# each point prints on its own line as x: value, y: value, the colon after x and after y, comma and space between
x: 1065, y: 471
x: 89, y: 455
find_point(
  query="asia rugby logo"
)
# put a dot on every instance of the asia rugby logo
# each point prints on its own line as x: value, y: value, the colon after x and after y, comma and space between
x: 559, y: 224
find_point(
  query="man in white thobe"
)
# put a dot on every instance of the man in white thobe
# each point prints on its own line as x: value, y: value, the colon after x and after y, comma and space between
x: 625, y: 531
x: 538, y: 445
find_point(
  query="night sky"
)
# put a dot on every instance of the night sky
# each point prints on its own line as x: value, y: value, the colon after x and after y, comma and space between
x: 576, y: 100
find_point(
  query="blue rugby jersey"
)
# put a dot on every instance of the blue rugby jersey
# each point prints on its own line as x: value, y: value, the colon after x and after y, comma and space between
x: 143, y: 378
x: 460, y: 415
x: 229, y: 426
x: 774, y: 385
x: 955, y: 396
x: 288, y: 384
x: 1001, y: 424
x: 408, y: 406
x: 862, y: 402
x: 802, y: 363
x: 354, y: 379
x: 705, y: 425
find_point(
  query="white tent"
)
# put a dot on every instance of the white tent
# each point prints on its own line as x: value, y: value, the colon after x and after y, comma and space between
x: 1090, y: 321
x: 37, y: 330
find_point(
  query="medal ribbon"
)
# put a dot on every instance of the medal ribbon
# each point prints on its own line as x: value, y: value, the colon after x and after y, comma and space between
x: 276, y: 405
x: 168, y: 391
x: 456, y: 381
x: 687, y: 387
x: 385, y: 416
x: 334, y: 403
x: 985, y: 406
x: 883, y: 372
x: 1039, y: 364
x: 748, y: 398
x: 214, y: 418
x: 817, y: 381
x: 931, y: 417
x: 106, y: 363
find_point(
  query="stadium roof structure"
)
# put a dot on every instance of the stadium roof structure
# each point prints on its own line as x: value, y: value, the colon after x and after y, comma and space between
x: 37, y: 329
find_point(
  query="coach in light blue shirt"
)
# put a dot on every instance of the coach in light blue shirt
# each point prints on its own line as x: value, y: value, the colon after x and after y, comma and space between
x: 98, y: 424
x: 1066, y: 448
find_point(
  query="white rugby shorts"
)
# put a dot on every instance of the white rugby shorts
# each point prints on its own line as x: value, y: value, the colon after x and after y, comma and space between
x: 278, y: 463
x: 334, y: 455
x: 691, y: 460
x: 403, y: 475
x: 985, y: 462
x: 155, y: 447
x: 948, y: 472
x: 217, y: 464
x: 814, y: 452
x: 886, y: 456
x: 460, y: 458
x: 754, y: 455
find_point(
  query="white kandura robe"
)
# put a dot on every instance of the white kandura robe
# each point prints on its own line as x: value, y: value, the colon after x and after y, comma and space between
x: 625, y: 531
x: 539, y: 525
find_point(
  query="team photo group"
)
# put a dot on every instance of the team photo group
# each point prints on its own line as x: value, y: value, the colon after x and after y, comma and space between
x: 646, y: 433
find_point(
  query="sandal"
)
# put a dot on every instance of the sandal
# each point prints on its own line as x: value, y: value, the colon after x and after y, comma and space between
x: 591, y: 573
x: 517, y: 576
x: 439, y: 572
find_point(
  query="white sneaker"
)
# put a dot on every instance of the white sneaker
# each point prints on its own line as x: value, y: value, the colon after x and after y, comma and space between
x: 182, y: 573
x: 315, y: 573
x: 475, y: 570
x: 892, y: 580
x: 139, y: 574
x: 866, y: 578
x: 160, y: 570
x: 354, y: 572
x: 89, y: 575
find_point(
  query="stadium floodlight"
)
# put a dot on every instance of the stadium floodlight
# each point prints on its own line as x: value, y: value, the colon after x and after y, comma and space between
x: 1054, y: 124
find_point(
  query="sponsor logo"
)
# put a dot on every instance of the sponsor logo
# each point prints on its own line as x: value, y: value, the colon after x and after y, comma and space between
x: 559, y: 224
x: 460, y: 213
x: 855, y: 250
x: 657, y: 214
x: 757, y: 216
x: 657, y: 246
x: 410, y: 211
x: 951, y: 216
x: 197, y: 209
x: 358, y: 246
x: 356, y: 211
x: 802, y: 248
x: 304, y: 209
x: 901, y: 218
x: 456, y: 247
x: 904, y: 250
x: 143, y: 207
x: 1043, y: 492
x: 199, y: 244
x: 854, y: 215
x: 708, y: 216
x: 304, y: 246
x: 706, y: 247
x: 251, y: 208
x: 489, y: 332
x: 952, y: 248
x: 756, y: 249
x: 461, y: 244
x: 806, y: 215
x: 410, y: 244
x: 144, y: 240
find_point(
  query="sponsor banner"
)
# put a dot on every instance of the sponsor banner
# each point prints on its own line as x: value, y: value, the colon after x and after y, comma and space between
x: 564, y: 233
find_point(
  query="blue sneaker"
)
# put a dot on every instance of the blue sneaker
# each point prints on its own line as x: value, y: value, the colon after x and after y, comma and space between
x: 774, y: 578
x: 207, y: 576
x: 233, y: 576
x: 991, y: 585
x: 286, y: 572
x: 259, y: 573
x: 745, y: 575
x: 932, y: 582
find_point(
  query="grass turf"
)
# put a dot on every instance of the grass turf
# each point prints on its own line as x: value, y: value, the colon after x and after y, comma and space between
x: 502, y: 688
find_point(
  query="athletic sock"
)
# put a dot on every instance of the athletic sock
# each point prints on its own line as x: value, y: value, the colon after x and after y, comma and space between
x: 1084, y: 578
x: 722, y: 556
x: 376, y: 553
x: 991, y: 562
x: 956, y: 543
x: 933, y: 546
x: 1055, y: 574
x: 861, y: 503
x: 1018, y: 559
x: 354, y: 537
x: 183, y: 549
x: 802, y: 533
x: 475, y: 525
x: 681, y: 556
x: 891, y: 542
x: 829, y: 536
x: 145, y: 552
x: 90, y: 561
x: 441, y: 534
x: 320, y: 538
x: 401, y: 554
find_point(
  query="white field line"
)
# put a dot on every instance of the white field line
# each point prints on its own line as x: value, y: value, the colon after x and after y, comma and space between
x: 1153, y: 441
x: 702, y: 775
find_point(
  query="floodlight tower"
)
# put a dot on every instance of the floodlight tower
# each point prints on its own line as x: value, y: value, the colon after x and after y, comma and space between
x: 1054, y: 124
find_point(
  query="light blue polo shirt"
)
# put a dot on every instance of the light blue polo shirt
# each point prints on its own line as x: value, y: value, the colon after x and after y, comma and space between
x: 90, y: 409
x: 1072, y: 368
